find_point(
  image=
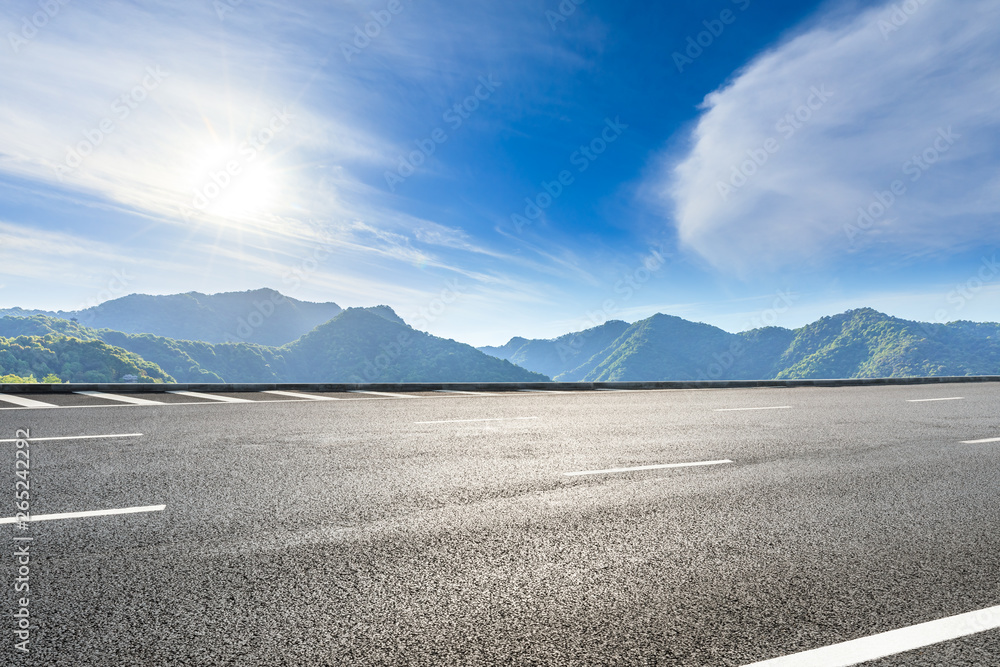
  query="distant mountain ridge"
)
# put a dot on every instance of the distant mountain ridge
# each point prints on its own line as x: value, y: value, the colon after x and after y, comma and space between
x: 264, y: 336
x: 858, y: 343
x: 262, y: 316
x: 358, y: 345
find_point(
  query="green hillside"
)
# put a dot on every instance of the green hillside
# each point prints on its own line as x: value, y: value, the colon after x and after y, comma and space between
x: 74, y: 360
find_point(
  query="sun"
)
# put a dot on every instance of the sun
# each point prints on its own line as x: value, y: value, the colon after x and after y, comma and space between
x: 234, y: 184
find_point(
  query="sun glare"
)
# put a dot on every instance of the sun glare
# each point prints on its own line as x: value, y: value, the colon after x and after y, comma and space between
x: 233, y: 184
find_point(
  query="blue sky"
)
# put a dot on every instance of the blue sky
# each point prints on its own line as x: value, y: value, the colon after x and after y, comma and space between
x: 497, y: 169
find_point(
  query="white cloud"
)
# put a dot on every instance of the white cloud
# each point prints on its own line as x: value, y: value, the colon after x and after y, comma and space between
x: 870, y: 94
x: 102, y: 101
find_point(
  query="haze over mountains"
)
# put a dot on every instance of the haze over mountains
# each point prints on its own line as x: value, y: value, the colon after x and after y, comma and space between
x: 263, y: 336
x: 262, y: 316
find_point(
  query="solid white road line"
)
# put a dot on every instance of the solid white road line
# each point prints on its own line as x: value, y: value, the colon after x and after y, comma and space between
x: 119, y: 398
x: 541, y: 391
x: 76, y: 437
x: 926, y: 400
x: 652, y: 467
x: 83, y: 515
x: 311, y: 397
x: 890, y: 643
x: 381, y: 393
x: 459, y: 421
x: 977, y: 442
x: 22, y: 402
x: 456, y: 391
x: 774, y: 407
x: 211, y: 397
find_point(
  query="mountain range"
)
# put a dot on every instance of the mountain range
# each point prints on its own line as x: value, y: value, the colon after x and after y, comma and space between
x: 264, y: 336
x: 854, y: 344
x: 357, y: 345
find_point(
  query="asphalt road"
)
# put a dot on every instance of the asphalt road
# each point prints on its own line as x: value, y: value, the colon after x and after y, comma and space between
x: 442, y: 529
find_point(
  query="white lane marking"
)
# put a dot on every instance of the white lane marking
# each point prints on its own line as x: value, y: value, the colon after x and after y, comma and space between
x: 925, y: 400
x: 380, y: 393
x: 541, y: 391
x: 119, y: 398
x: 456, y: 391
x: 892, y: 642
x: 459, y: 421
x: 773, y: 407
x: 211, y: 397
x: 976, y: 442
x: 77, y: 437
x: 652, y: 467
x: 83, y: 515
x: 22, y: 402
x: 311, y: 397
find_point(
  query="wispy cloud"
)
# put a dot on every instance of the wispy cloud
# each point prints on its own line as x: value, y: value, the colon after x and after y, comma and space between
x: 893, y: 115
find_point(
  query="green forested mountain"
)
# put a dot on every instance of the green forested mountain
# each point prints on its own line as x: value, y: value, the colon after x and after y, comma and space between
x: 858, y: 343
x: 364, y: 346
x: 261, y: 316
x: 73, y: 360
x: 866, y: 343
x: 358, y: 345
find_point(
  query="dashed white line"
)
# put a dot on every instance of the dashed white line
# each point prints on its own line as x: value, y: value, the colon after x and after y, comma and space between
x: 83, y: 515
x: 22, y: 402
x: 892, y: 642
x: 541, y: 391
x: 311, y: 397
x: 460, y: 421
x: 927, y: 400
x: 380, y: 393
x: 977, y: 442
x: 211, y: 397
x: 77, y: 437
x: 470, y: 393
x: 773, y: 407
x: 650, y: 467
x: 118, y: 397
